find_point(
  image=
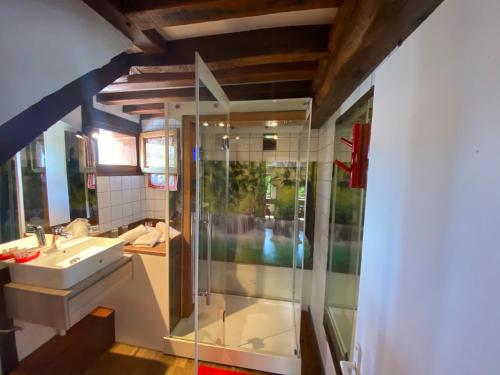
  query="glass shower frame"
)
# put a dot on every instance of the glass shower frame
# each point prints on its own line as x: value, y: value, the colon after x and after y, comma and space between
x: 209, y: 94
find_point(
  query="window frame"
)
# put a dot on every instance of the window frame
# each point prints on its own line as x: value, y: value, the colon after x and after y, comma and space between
x: 95, y: 119
x: 142, y: 150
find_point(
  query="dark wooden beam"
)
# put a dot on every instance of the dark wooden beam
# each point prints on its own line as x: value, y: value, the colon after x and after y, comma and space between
x: 26, y: 126
x: 234, y: 50
x: 163, y: 13
x: 148, y: 40
x: 94, y: 118
x: 363, y: 34
x: 156, y: 109
x: 302, y: 71
x: 279, y: 90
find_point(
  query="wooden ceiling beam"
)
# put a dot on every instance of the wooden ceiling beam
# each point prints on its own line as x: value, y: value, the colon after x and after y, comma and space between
x: 149, y: 40
x: 165, y: 13
x: 362, y: 35
x: 144, y: 109
x: 259, y: 91
x: 302, y: 71
x: 233, y: 50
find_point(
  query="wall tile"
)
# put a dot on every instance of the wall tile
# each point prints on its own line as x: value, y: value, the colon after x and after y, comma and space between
x: 104, y: 215
x: 103, y: 199
x: 115, y: 183
x: 282, y: 155
x: 269, y: 156
x: 103, y: 183
x: 116, y: 212
x: 127, y: 209
x: 283, y: 144
x: 126, y: 182
x: 116, y: 198
x: 255, y: 156
x: 127, y: 196
x: 255, y: 144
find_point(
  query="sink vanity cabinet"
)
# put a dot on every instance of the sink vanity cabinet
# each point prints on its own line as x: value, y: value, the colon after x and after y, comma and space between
x: 63, y: 308
x: 61, y: 287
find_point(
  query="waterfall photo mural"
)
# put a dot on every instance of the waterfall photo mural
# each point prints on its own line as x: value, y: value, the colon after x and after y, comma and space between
x: 257, y: 225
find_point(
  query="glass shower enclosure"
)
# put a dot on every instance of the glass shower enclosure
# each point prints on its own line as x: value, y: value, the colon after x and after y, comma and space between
x: 238, y: 201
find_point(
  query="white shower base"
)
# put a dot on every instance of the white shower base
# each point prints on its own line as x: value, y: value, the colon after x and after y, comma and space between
x: 256, y: 333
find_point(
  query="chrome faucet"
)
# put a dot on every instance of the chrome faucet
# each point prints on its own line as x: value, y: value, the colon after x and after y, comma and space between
x: 58, y: 233
x: 40, y: 235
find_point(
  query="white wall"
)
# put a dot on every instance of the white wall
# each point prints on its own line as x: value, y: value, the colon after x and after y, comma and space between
x: 431, y: 266
x: 45, y: 45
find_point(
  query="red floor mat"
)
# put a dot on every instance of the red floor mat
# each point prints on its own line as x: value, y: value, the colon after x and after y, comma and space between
x: 206, y: 370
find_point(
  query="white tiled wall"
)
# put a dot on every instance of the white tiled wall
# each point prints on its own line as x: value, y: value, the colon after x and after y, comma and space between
x: 325, y: 156
x: 249, y: 147
x: 121, y: 200
x: 155, y: 202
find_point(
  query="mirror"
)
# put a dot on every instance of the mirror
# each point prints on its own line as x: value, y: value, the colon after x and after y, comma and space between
x: 56, y: 175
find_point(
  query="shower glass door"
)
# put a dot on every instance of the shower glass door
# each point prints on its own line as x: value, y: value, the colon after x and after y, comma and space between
x: 211, y: 157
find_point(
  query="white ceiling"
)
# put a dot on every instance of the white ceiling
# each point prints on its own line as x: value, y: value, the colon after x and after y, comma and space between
x: 297, y: 18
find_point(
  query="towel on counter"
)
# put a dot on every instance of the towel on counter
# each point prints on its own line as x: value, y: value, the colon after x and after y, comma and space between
x: 148, y: 240
x: 164, y: 229
x: 133, y: 234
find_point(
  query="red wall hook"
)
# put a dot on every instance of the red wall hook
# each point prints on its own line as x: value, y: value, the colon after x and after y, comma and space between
x: 359, y: 155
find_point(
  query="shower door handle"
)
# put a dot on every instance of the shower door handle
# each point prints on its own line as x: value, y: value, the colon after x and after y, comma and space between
x: 209, y: 256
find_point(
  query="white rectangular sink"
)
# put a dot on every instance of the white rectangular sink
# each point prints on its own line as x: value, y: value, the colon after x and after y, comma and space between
x: 73, y: 262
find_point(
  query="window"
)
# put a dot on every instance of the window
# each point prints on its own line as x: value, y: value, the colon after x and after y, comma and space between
x: 153, y: 156
x: 115, y: 148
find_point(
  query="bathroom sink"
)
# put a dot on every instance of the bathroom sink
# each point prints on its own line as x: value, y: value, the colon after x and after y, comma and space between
x: 75, y: 260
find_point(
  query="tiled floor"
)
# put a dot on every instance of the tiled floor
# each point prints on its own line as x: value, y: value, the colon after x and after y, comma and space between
x: 124, y: 359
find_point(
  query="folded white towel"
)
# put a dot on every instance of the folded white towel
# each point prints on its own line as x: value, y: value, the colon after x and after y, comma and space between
x: 148, y: 240
x: 162, y: 227
x: 133, y: 234
x: 172, y: 233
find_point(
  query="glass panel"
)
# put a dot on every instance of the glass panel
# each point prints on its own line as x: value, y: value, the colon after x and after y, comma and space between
x: 197, y: 210
x: 211, y: 202
x: 345, y: 243
x: 116, y: 148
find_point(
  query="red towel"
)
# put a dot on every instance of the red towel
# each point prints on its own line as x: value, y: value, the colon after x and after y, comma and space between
x: 206, y: 370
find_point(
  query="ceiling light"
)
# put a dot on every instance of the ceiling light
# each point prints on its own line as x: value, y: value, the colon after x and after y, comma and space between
x: 272, y: 124
x: 205, y: 124
x: 221, y: 124
x: 237, y: 137
x: 225, y: 136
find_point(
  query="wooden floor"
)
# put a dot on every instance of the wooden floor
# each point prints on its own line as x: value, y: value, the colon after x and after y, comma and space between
x: 125, y: 359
